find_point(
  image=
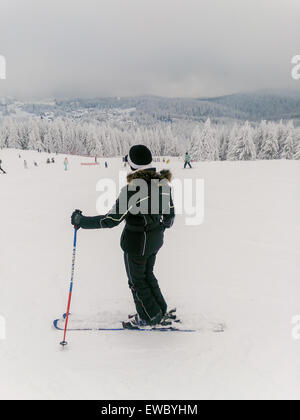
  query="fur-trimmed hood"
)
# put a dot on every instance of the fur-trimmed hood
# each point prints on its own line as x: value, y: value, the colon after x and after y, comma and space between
x: 149, y: 174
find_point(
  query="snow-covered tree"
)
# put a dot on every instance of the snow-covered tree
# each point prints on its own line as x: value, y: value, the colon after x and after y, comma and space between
x: 268, y: 146
x: 241, y: 144
x: 288, y: 150
x: 288, y: 145
x: 204, y: 145
x: 204, y: 141
x: 297, y: 144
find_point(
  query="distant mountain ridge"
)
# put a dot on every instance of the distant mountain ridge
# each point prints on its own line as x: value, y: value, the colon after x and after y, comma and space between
x: 261, y: 105
x: 257, y: 106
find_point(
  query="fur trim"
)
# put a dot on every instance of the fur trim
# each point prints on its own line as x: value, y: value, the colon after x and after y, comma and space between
x: 149, y: 174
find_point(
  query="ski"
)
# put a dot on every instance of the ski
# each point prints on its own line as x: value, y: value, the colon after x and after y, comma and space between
x: 91, y: 325
x: 168, y: 329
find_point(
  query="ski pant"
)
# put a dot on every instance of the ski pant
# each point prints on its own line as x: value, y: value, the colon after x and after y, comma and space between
x: 149, y: 301
x: 187, y: 163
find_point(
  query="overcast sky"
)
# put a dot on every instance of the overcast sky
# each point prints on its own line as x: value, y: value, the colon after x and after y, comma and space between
x: 190, y: 48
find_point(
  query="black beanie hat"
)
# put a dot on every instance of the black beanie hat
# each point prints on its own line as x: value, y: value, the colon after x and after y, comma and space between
x: 139, y: 156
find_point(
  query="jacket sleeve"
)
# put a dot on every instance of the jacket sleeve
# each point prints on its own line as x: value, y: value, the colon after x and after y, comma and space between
x: 169, y: 214
x: 113, y: 218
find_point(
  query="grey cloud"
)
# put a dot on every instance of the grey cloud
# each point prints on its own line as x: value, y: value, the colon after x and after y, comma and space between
x: 164, y: 47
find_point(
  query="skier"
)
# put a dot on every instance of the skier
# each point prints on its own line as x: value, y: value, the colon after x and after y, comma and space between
x: 187, y: 160
x: 142, y: 236
x: 1, y: 169
x: 25, y: 164
x: 106, y: 164
x: 66, y: 163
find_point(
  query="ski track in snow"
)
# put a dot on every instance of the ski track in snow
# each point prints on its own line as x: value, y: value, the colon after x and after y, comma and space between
x: 241, y: 266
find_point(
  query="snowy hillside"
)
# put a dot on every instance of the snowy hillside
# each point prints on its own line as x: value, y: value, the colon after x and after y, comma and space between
x: 149, y: 110
x: 240, y: 266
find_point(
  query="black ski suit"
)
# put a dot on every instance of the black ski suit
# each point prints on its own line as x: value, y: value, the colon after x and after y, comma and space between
x: 142, y: 236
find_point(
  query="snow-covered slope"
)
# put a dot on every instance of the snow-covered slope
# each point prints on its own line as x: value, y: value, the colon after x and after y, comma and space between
x: 241, y: 266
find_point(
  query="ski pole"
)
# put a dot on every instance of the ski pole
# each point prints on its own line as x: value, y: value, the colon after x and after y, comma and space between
x: 64, y: 342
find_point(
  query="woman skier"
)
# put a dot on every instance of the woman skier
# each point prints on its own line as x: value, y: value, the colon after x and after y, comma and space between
x: 146, y: 207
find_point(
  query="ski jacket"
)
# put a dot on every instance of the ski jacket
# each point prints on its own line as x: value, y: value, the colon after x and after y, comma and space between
x: 146, y: 208
x: 187, y: 158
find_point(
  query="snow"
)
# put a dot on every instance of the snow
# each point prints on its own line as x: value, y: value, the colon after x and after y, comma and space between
x: 240, y: 266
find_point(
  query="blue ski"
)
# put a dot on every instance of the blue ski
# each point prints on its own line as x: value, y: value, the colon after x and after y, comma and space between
x: 55, y: 323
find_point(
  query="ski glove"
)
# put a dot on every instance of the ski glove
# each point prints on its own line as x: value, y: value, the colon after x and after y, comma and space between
x: 80, y: 221
x: 76, y: 218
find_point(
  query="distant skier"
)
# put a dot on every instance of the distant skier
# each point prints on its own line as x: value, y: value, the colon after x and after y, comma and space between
x: 1, y: 169
x: 187, y: 160
x: 66, y: 164
x: 106, y: 164
x: 147, y: 213
x: 52, y: 160
x: 25, y: 164
x: 48, y: 161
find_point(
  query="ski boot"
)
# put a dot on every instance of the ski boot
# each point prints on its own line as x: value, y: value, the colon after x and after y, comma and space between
x: 135, y: 323
x: 169, y: 316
